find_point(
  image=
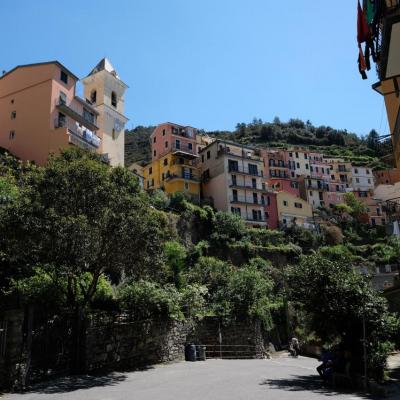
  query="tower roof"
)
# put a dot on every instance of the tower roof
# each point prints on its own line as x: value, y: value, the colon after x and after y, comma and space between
x: 104, y: 65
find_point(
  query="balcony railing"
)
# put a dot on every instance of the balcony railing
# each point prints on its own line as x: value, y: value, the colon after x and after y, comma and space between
x: 250, y: 155
x: 184, y: 149
x: 84, y: 118
x: 253, y: 218
x: 244, y: 200
x: 262, y: 188
x: 183, y: 175
x: 79, y: 136
x: 246, y: 171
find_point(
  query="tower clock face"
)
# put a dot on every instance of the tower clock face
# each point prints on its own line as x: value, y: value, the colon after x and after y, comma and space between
x: 118, y: 125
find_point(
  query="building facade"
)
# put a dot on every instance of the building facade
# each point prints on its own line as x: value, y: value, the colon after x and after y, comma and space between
x: 362, y: 178
x: 174, y: 166
x: 233, y: 180
x: 40, y: 113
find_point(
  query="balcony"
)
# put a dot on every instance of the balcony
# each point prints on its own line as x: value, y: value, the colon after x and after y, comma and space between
x: 253, y: 218
x: 250, y: 155
x: 184, y: 150
x: 185, y: 176
x: 275, y: 175
x: 84, y: 118
x: 244, y: 171
x: 244, y: 186
x: 244, y: 200
x: 79, y: 136
x: 186, y: 132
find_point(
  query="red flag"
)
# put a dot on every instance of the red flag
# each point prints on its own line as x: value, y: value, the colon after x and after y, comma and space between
x: 363, y: 32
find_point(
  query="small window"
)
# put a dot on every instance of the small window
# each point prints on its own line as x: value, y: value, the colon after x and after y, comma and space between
x: 305, y: 156
x: 333, y: 177
x: 298, y: 205
x: 355, y: 170
x: 113, y: 134
x: 93, y: 96
x: 12, y: 135
x: 64, y: 77
x: 165, y: 161
x: 190, y: 146
x: 298, y: 165
x: 114, y: 99
x: 163, y: 132
x: 202, y: 158
x: 62, y: 98
x: 369, y: 180
x: 13, y: 114
x: 186, y: 186
x: 306, y: 166
x: 311, y: 193
x: 12, y: 101
x: 297, y: 154
x: 154, y: 153
x: 285, y: 203
x: 163, y: 176
x: 367, y: 171
x: 166, y: 144
x: 357, y: 180
x: 208, y: 155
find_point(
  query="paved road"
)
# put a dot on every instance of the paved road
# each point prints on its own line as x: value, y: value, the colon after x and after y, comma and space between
x: 279, y: 378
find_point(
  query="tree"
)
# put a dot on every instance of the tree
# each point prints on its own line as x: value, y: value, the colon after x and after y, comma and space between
x: 373, y: 139
x: 228, y: 227
x: 78, y: 217
x: 175, y: 254
x: 357, y: 208
x: 336, y: 299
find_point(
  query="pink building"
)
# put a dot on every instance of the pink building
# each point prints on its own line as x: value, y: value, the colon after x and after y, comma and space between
x: 169, y: 137
x: 271, y: 211
x: 40, y: 112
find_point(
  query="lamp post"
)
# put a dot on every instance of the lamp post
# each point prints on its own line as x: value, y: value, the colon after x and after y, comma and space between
x: 365, y: 353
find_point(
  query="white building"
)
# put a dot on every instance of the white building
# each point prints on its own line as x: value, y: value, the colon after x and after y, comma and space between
x: 363, y: 179
x: 105, y: 90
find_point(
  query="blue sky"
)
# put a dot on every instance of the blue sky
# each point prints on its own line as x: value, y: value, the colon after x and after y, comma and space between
x: 207, y: 63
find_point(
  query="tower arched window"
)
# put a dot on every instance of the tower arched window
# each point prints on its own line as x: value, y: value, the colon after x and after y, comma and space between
x: 114, y: 99
x: 93, y: 96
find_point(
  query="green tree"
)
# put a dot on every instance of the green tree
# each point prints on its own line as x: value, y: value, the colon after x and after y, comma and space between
x: 79, y: 217
x: 337, y: 299
x: 175, y: 254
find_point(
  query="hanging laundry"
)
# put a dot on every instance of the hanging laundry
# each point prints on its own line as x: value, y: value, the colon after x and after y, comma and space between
x: 361, y: 63
x: 370, y: 11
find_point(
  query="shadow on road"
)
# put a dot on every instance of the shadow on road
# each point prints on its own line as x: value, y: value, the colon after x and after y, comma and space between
x: 306, y: 383
x: 72, y: 383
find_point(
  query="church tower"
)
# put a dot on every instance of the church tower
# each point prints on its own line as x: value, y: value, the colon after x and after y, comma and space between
x: 105, y: 90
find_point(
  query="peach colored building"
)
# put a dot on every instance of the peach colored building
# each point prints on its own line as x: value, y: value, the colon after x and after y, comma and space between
x: 387, y: 176
x: 40, y: 113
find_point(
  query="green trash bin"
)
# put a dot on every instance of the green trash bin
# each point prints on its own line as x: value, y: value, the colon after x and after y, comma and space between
x: 201, y: 352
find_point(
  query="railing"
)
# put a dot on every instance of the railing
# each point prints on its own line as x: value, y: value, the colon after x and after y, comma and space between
x: 249, y: 187
x: 80, y: 136
x: 274, y: 175
x: 242, y: 170
x: 77, y: 113
x: 252, y: 218
x: 189, y: 177
x: 250, y: 155
x: 242, y: 199
x: 184, y: 148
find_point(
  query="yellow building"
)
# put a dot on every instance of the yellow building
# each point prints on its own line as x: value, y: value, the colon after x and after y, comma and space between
x: 293, y: 210
x: 174, y: 172
x: 388, y: 66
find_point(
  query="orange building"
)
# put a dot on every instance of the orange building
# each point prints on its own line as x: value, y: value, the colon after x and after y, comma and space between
x: 387, y: 176
x: 40, y: 113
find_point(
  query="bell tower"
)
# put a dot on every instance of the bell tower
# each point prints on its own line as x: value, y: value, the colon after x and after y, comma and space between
x: 105, y: 90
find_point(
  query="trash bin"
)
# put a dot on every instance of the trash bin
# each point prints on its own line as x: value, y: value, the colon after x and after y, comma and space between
x: 201, y: 352
x: 190, y: 352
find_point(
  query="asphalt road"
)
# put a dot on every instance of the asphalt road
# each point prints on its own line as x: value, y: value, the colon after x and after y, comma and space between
x: 279, y: 378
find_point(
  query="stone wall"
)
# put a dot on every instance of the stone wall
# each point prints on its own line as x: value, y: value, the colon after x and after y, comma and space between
x: 135, y: 344
x: 12, y: 361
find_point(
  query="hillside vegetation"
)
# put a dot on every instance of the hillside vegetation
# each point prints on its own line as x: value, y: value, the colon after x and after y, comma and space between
x: 335, y: 142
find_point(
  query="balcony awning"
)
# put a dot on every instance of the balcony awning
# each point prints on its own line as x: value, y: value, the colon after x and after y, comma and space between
x: 388, y: 86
